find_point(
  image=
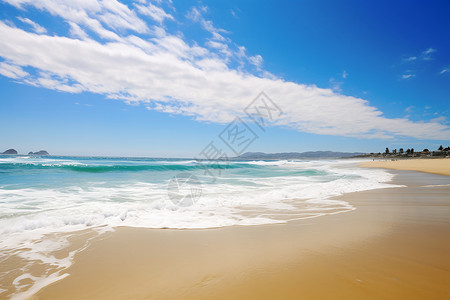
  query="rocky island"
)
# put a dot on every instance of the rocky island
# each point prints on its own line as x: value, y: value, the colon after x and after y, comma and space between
x: 10, y: 152
x: 41, y: 152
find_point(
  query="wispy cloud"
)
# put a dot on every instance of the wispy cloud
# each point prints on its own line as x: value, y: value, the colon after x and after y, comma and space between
x: 235, y: 12
x: 407, y: 76
x: 409, y: 109
x: 12, y: 71
x: 156, y: 13
x: 94, y: 15
x: 220, y: 41
x: 256, y: 60
x: 411, y: 58
x: 196, y: 15
x: 414, y: 62
x: 125, y: 57
x: 440, y: 119
x: 335, y: 85
x: 77, y: 32
x: 36, y: 27
x: 444, y: 70
x: 427, y: 54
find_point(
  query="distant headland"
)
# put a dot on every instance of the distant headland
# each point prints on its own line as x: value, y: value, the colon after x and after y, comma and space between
x: 296, y: 155
x: 388, y: 153
x: 409, y: 153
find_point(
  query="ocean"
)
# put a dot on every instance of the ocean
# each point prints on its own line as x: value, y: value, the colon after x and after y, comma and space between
x: 46, y: 200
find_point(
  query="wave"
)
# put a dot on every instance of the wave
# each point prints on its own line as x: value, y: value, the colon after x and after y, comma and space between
x: 119, y: 168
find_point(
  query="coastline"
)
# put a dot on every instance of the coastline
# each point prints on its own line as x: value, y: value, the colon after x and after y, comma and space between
x: 439, y: 166
x: 394, y: 245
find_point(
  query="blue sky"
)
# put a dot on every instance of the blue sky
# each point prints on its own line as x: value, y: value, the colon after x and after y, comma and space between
x: 162, y: 78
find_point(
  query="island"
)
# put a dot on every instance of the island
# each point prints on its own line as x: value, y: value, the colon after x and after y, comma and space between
x: 41, y: 152
x: 10, y: 152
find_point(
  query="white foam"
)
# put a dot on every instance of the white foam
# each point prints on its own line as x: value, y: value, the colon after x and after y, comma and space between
x: 39, y: 161
x: 38, y: 283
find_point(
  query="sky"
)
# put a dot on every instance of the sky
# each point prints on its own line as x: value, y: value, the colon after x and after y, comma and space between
x: 168, y: 78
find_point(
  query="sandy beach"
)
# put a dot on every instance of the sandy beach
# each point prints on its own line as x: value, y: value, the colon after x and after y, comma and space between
x: 436, y: 166
x: 395, y: 245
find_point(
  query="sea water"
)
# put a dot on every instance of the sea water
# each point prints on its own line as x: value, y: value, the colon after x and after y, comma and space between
x: 43, y: 200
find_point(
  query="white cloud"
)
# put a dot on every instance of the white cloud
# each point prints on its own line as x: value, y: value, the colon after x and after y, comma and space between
x: 166, y: 73
x: 444, y: 70
x: 344, y: 74
x: 195, y: 14
x: 156, y: 13
x: 36, y: 27
x: 226, y: 49
x: 411, y: 58
x: 256, y: 60
x: 407, y: 76
x: 409, y: 109
x: 12, y: 71
x: 76, y: 31
x: 335, y: 85
x: 426, y: 55
x: 92, y: 14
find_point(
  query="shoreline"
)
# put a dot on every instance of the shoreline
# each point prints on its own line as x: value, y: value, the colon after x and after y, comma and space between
x: 358, y: 254
x: 440, y: 166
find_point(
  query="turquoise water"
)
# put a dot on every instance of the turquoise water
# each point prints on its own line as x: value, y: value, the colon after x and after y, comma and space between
x: 59, y: 188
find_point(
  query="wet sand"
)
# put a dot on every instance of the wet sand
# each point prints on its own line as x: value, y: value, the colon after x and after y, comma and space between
x: 395, y: 245
x: 436, y: 165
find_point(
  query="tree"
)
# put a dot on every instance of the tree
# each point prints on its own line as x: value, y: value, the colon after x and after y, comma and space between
x: 412, y: 150
x: 400, y: 150
x: 387, y: 151
x: 408, y: 151
x: 441, y: 148
x: 394, y: 151
x: 426, y: 150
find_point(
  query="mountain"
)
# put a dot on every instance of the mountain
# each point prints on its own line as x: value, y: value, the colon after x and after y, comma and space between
x: 42, y: 152
x: 10, y: 151
x: 297, y: 155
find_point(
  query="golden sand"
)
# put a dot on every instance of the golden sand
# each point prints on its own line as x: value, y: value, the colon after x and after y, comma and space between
x: 395, y: 245
x: 436, y: 166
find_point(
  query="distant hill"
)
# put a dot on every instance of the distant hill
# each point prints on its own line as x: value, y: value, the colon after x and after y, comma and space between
x: 42, y: 152
x: 297, y: 155
x: 10, y: 151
